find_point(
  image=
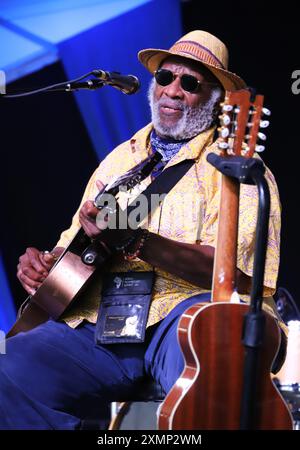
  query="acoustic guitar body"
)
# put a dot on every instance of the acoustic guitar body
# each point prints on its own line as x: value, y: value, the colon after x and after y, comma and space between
x: 61, y: 287
x: 208, y: 394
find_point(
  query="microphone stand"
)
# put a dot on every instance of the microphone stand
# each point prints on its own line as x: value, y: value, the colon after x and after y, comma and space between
x: 251, y: 171
x: 127, y: 84
x: 66, y: 86
x: 91, y: 84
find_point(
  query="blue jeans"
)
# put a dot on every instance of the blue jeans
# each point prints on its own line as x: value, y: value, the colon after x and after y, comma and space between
x: 54, y: 377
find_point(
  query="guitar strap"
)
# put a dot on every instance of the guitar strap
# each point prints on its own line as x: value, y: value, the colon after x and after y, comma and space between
x: 161, y: 185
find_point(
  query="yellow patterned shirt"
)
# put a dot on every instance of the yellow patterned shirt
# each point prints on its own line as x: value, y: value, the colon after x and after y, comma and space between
x: 188, y: 214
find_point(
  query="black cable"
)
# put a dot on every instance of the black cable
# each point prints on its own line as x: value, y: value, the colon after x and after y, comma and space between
x: 51, y: 88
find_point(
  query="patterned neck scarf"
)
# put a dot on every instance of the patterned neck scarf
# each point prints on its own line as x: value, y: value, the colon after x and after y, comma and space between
x: 166, y: 147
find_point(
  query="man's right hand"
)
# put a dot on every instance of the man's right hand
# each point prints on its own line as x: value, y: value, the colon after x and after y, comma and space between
x: 34, y: 267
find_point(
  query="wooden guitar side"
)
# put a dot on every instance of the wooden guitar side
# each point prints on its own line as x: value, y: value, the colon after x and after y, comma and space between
x: 210, y: 337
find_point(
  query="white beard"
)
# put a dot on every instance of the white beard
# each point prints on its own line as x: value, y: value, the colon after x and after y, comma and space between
x: 194, y: 119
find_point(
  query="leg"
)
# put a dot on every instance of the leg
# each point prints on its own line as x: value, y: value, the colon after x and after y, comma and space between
x: 53, y: 377
x: 163, y: 358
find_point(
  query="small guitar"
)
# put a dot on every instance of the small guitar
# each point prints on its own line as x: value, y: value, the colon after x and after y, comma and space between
x: 209, y: 392
x: 75, y: 267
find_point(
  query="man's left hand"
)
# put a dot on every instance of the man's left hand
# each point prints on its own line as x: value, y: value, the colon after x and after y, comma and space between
x: 87, y: 219
x: 95, y: 224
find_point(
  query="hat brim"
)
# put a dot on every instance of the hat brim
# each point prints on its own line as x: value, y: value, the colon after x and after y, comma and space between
x: 152, y: 58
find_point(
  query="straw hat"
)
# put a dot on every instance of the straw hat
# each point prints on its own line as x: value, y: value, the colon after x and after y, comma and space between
x: 199, y: 46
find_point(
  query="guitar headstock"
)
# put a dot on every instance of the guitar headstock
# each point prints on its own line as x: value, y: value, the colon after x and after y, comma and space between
x: 241, y: 123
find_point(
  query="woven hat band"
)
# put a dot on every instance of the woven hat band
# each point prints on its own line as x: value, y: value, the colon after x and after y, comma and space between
x: 198, y: 51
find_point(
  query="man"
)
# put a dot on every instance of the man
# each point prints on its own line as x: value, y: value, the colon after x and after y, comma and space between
x: 55, y: 376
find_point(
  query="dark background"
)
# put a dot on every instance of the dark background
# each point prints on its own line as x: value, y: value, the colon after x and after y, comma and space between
x: 47, y: 156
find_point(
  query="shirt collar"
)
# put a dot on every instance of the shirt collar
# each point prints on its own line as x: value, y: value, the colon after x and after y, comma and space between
x: 190, y: 150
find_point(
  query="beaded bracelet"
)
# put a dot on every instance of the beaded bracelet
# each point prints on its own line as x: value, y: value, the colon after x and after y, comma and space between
x: 128, y: 256
x: 129, y: 241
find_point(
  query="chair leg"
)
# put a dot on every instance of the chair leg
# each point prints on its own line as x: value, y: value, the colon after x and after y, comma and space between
x: 119, y: 411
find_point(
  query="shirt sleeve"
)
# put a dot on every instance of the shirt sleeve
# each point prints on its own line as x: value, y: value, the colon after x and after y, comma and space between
x: 247, y: 225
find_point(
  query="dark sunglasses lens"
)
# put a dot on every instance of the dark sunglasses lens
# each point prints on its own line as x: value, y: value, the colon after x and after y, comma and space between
x: 189, y: 83
x: 164, y: 77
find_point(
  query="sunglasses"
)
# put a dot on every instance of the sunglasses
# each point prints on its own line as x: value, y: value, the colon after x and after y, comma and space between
x: 189, y: 83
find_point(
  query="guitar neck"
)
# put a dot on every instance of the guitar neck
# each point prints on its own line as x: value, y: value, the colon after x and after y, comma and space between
x: 240, y: 124
x: 224, y: 275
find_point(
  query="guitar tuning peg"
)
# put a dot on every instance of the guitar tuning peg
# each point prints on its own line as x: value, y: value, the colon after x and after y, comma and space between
x: 227, y: 108
x: 225, y: 119
x: 223, y: 145
x: 224, y: 132
x: 264, y: 123
x: 237, y: 110
x: 266, y: 111
x: 259, y: 148
x: 262, y: 136
x: 245, y: 149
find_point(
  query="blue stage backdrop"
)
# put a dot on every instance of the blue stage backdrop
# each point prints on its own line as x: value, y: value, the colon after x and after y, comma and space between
x: 109, y: 115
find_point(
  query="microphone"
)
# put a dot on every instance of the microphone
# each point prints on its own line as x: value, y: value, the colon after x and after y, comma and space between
x: 128, y: 84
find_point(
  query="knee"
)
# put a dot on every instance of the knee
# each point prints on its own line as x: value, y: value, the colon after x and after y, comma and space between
x: 19, y: 351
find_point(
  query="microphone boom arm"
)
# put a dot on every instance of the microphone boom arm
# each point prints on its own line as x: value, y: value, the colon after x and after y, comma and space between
x: 128, y: 84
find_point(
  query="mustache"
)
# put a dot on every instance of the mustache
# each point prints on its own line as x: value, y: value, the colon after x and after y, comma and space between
x: 169, y: 103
